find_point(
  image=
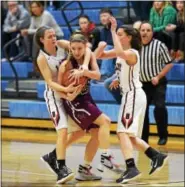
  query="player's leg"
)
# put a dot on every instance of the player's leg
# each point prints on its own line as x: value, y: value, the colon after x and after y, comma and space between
x: 107, y: 158
x: 158, y: 159
x: 131, y: 172
x: 128, y: 127
x: 103, y: 122
x: 74, y: 136
x: 74, y: 133
x: 84, y: 171
x: 59, y: 119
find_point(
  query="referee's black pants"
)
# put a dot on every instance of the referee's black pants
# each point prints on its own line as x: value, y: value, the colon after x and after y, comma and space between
x: 157, y: 94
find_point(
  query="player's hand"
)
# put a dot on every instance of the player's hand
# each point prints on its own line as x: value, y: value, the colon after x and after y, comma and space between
x: 155, y: 80
x: 76, y: 74
x: 102, y: 45
x: 99, y: 50
x: 70, y: 88
x: 73, y: 95
x: 114, y: 84
x: 89, y: 45
x: 113, y: 23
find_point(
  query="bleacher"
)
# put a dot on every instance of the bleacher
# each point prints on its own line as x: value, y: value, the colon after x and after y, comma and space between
x: 30, y: 103
x: 91, y: 9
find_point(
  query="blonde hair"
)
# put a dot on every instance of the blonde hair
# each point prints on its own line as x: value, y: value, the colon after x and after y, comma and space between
x: 164, y: 5
x: 168, y: 3
x: 75, y: 37
x: 137, y: 25
x: 78, y: 37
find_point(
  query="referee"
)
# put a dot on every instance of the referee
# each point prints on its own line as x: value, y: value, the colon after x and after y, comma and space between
x: 155, y: 64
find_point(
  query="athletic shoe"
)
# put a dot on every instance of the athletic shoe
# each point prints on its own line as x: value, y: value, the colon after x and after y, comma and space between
x: 50, y: 161
x: 129, y: 175
x: 108, y: 161
x: 158, y: 162
x: 64, y: 175
x: 85, y: 174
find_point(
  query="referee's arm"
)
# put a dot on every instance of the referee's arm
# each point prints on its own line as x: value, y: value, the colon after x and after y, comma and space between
x: 166, y: 60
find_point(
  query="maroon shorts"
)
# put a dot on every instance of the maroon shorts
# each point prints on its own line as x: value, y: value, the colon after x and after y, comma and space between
x: 83, y: 111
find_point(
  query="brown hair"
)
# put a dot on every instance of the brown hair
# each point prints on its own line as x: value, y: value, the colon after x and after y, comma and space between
x: 39, y: 4
x: 180, y: 15
x: 76, y: 37
x: 40, y: 34
x: 136, y: 38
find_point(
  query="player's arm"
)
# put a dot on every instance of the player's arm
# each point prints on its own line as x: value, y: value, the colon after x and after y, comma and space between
x: 100, y: 52
x: 62, y: 95
x: 87, y: 58
x: 129, y: 56
x: 94, y: 73
x: 46, y: 73
x: 62, y: 69
x: 63, y: 44
x: 60, y: 76
x: 76, y: 91
x: 72, y: 96
x: 77, y: 73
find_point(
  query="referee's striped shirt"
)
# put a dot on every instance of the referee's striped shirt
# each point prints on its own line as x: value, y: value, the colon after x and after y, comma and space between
x: 153, y: 57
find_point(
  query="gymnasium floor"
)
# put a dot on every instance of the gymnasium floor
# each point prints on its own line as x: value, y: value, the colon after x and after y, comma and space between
x: 21, y: 166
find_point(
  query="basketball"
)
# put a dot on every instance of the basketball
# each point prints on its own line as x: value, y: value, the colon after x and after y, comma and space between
x: 66, y: 81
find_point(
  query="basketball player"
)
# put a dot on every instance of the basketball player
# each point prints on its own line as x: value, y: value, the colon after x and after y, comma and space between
x: 84, y: 112
x: 82, y: 109
x: 49, y: 59
x: 127, y: 43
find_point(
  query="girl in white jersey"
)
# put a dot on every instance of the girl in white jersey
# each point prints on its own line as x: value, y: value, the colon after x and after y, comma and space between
x: 50, y: 57
x: 127, y: 43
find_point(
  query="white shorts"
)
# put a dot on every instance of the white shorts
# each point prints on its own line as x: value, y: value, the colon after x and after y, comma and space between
x: 58, y: 114
x: 56, y: 110
x: 132, y: 113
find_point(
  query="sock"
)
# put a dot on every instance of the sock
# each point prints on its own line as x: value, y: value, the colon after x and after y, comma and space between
x: 53, y: 153
x: 61, y: 163
x: 130, y: 163
x: 105, y: 151
x: 150, y: 152
x: 86, y: 163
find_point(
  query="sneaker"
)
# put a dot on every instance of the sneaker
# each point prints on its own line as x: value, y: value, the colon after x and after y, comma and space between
x: 50, y: 161
x: 129, y: 175
x: 108, y: 161
x: 85, y: 174
x: 64, y: 175
x: 162, y: 141
x: 158, y: 162
x: 100, y: 167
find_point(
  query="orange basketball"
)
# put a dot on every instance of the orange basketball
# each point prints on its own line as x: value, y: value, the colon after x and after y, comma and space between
x: 66, y: 81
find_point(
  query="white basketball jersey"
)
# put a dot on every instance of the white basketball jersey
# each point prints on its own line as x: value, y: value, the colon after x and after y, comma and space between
x: 54, y: 63
x: 128, y: 75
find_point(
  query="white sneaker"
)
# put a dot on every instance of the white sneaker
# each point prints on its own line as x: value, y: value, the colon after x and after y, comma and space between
x: 85, y: 174
x: 108, y: 161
